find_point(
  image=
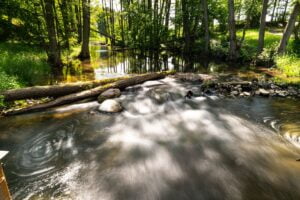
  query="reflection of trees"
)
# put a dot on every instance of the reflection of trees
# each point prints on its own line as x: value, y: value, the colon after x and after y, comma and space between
x: 108, y: 62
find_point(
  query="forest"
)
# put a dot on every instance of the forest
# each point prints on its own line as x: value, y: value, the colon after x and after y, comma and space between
x: 240, y: 31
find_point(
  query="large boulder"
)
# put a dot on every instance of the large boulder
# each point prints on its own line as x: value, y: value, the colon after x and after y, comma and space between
x: 110, y: 106
x: 109, y: 94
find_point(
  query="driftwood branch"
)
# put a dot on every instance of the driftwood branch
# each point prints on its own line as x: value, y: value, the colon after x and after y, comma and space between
x: 54, y: 90
x: 121, y: 84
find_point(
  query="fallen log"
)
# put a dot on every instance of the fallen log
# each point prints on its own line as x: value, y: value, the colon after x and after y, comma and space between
x: 54, y: 90
x: 94, y: 92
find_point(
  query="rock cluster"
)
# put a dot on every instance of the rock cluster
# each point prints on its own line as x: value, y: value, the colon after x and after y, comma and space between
x: 251, y: 88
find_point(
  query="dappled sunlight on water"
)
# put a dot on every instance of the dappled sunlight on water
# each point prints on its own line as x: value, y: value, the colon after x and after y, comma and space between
x: 162, y: 146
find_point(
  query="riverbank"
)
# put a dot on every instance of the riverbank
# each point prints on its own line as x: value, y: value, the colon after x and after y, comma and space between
x: 223, y: 86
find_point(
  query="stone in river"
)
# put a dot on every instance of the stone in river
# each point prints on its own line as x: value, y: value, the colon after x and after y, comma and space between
x: 109, y: 94
x: 246, y: 93
x: 110, y: 106
x: 234, y: 93
x: 263, y: 92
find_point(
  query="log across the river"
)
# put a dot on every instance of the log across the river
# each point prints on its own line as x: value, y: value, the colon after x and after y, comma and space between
x: 121, y: 84
x: 54, y: 90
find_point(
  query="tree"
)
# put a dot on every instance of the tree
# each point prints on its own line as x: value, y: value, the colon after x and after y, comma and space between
x: 206, y: 26
x: 85, y: 52
x: 273, y: 12
x: 232, y: 31
x: 53, y: 51
x: 289, y: 29
x: 262, y: 27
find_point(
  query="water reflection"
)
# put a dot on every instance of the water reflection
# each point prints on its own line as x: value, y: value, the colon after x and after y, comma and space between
x: 106, y: 63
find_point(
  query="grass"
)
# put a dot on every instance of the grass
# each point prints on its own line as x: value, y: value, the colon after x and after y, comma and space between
x: 289, y: 64
x: 22, y: 65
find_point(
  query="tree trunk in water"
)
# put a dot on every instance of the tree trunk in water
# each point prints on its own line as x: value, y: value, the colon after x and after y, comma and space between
x: 232, y: 32
x: 122, y: 84
x: 206, y: 27
x: 289, y: 29
x: 54, y: 52
x: 85, y: 52
x: 262, y: 27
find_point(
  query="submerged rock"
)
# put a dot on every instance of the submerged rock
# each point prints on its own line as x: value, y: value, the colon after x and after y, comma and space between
x: 189, y: 94
x: 110, y: 106
x: 109, y: 94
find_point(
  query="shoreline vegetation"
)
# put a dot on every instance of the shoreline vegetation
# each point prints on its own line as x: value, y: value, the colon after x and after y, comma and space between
x: 43, y: 97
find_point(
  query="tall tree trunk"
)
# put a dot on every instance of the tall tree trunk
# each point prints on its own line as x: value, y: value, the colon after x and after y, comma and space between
x: 79, y: 21
x: 284, y: 12
x: 65, y: 18
x: 296, y: 31
x: 186, y: 27
x: 273, y: 12
x: 289, y: 29
x: 262, y: 27
x: 122, y: 23
x: 168, y: 6
x: 53, y: 52
x: 232, y: 31
x: 206, y: 26
x: 112, y: 22
x: 85, y: 52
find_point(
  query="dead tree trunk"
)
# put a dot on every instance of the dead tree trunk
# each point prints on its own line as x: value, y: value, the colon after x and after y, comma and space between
x: 54, y: 90
x: 122, y: 84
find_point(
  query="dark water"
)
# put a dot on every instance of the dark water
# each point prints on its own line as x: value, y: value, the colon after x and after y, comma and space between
x: 105, y: 63
x: 161, y: 146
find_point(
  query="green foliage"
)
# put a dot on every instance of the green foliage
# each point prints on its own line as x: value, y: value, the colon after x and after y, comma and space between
x: 8, y: 82
x: 289, y: 65
x: 27, y: 64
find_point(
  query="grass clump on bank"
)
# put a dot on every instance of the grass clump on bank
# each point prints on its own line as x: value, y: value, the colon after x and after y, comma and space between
x: 22, y: 65
x: 289, y: 65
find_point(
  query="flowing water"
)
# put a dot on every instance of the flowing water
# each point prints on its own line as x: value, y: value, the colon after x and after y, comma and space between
x: 162, y: 146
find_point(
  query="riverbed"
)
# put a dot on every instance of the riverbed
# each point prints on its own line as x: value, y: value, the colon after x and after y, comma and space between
x: 162, y: 146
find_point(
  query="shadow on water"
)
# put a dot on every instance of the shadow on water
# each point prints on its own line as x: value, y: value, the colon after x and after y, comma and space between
x: 161, y: 146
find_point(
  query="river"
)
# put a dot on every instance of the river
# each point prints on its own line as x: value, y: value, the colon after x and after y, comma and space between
x: 162, y: 146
